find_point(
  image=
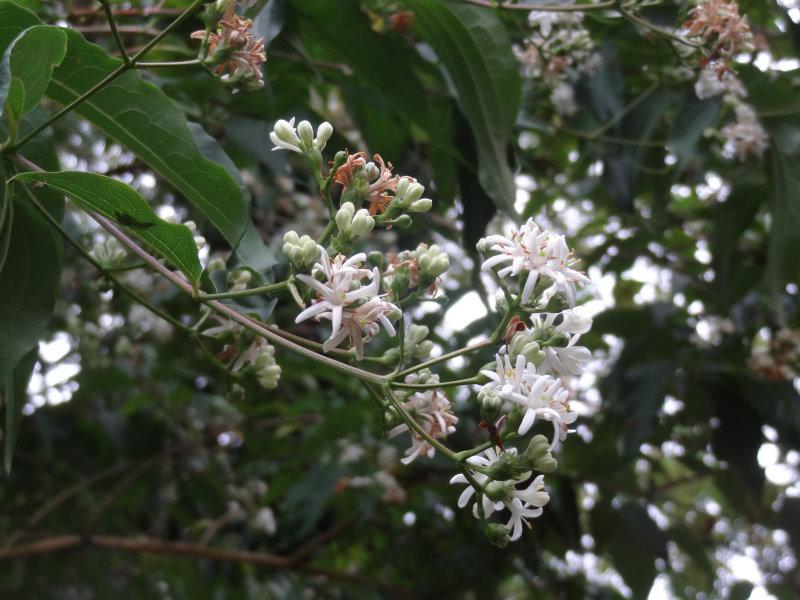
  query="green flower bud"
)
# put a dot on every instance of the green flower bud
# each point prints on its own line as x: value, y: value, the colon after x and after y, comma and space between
x: 400, y: 283
x: 301, y: 251
x: 491, y: 404
x: 375, y: 258
x: 402, y: 188
x: 537, y: 456
x: 508, y: 466
x: 497, y: 491
x: 514, y: 418
x: 215, y: 264
x: 338, y: 159
x: 497, y: 534
x: 500, y: 301
x: 403, y: 221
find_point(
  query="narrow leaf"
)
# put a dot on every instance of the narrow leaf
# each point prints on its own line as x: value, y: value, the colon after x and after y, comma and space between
x: 122, y: 204
x: 475, y: 48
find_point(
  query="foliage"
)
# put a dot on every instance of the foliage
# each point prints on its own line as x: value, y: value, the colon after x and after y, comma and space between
x: 183, y: 428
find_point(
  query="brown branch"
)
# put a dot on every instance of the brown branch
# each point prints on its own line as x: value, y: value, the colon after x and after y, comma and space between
x: 310, y: 546
x: 60, y: 498
x: 144, y: 545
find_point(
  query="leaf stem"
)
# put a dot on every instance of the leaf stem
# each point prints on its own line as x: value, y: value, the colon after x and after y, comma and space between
x: 167, y: 64
x: 442, y: 358
x: 112, y: 23
x: 264, y: 289
x: 432, y: 386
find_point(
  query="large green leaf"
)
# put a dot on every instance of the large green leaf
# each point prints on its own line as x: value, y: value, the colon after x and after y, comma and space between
x: 475, y: 48
x: 27, y: 66
x: 14, y: 396
x: 122, y: 204
x: 28, y: 286
x: 141, y: 117
x: 783, y: 258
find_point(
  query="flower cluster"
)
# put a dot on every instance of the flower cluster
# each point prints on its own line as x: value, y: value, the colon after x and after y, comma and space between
x: 431, y: 410
x: 720, y: 26
x: 536, y: 255
x: 558, y: 49
x: 416, y: 271
x: 257, y: 358
x: 354, y: 309
x: 229, y: 49
x: 374, y: 183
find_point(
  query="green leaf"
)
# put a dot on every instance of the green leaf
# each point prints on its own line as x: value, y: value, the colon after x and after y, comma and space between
x: 141, y: 117
x: 783, y: 254
x: 27, y: 66
x: 475, y: 48
x: 14, y: 399
x: 29, y: 284
x: 122, y: 204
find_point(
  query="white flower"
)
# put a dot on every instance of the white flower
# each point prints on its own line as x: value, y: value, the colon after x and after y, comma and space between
x: 563, y: 99
x: 432, y: 411
x: 526, y: 504
x: 265, y: 521
x: 361, y: 324
x: 563, y: 360
x: 285, y: 136
x: 539, y: 253
x: 745, y: 137
x: 508, y: 379
x: 523, y: 504
x: 485, y: 459
x: 548, y: 400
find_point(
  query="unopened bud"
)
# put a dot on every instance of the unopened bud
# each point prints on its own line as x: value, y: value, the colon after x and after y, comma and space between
x: 491, y: 403
x: 497, y: 534
x: 306, y: 133
x: 497, y: 491
x: 413, y: 193
x: 215, y: 264
x: 324, y: 133
x: 421, y: 205
x: 375, y: 259
x: 344, y: 216
x: 403, y: 221
x: 362, y: 223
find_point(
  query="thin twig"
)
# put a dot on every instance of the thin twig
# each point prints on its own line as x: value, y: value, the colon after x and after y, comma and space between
x: 544, y: 7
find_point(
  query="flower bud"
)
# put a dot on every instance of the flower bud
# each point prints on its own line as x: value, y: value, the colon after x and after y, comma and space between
x: 301, y: 251
x: 285, y: 132
x: 400, y: 283
x: 362, y: 223
x: 533, y: 353
x: 421, y: 205
x: 537, y: 456
x: 491, y: 404
x: 483, y: 246
x: 497, y: 491
x: 306, y: 133
x: 324, y: 133
x: 402, y: 187
x: 371, y: 171
x: 497, y: 534
x: 375, y: 259
x: 507, y: 466
x: 413, y: 193
x: 403, y: 221
x: 215, y: 264
x: 344, y: 216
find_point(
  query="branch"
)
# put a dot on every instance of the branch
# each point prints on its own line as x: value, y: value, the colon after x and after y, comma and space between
x: 144, y: 545
x: 115, y: 74
x: 544, y: 7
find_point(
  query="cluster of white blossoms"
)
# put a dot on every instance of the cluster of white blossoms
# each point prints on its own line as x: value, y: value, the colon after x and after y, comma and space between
x: 533, y: 254
x: 534, y: 371
x: 532, y: 380
x: 257, y: 358
x: 431, y: 410
x: 558, y: 49
x: 349, y: 297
